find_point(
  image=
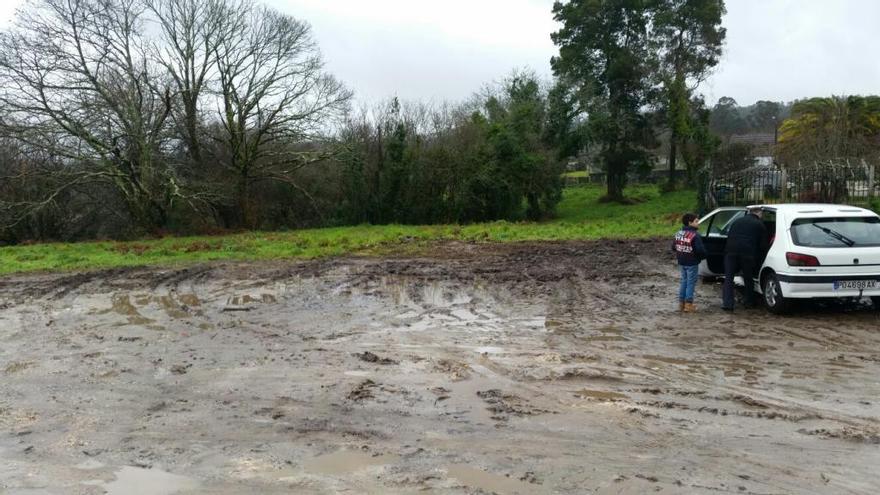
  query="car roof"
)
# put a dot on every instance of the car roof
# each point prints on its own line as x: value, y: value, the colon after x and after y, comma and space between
x: 816, y: 209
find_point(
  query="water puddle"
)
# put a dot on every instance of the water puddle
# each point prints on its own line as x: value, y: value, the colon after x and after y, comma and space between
x: 174, y: 305
x: 346, y: 461
x: 89, y: 465
x: 357, y: 373
x: 491, y: 483
x: 413, y: 294
x: 171, y: 306
x: 600, y: 394
x: 136, y: 481
x: 190, y: 300
x: 439, y: 296
x: 432, y: 321
x: 488, y: 350
x: 241, y: 300
x: 122, y: 305
x: 16, y: 366
x: 464, y: 315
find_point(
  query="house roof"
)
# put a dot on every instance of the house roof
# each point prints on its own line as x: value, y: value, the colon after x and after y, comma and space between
x: 754, y: 139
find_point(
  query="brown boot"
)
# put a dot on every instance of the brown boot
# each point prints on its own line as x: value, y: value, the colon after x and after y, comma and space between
x: 690, y: 307
x: 681, y: 305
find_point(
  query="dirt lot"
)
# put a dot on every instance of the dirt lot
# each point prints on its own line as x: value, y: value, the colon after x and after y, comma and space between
x: 530, y: 368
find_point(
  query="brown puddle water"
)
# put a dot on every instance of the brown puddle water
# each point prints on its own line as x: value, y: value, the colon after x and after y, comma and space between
x: 491, y: 483
x: 136, y: 481
x: 346, y: 461
x: 241, y: 300
x: 122, y: 305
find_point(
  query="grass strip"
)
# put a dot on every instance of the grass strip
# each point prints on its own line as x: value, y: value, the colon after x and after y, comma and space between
x: 580, y: 216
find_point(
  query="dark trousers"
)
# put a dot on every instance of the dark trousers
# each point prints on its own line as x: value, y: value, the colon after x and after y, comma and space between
x: 733, y: 264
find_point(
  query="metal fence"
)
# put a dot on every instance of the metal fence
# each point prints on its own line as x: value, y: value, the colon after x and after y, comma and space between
x: 832, y: 182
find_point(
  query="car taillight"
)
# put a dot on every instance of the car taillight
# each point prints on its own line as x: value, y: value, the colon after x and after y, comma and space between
x: 797, y: 259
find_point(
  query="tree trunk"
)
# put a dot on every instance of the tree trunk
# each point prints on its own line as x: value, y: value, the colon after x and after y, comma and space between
x: 673, y: 152
x: 147, y: 215
x: 244, y: 205
x: 192, y: 134
x: 616, y: 180
x: 615, y: 187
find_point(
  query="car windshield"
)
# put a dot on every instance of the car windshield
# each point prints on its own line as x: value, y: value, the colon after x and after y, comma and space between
x: 836, y: 232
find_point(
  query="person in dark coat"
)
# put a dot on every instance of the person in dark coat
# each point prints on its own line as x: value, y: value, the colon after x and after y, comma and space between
x: 747, y: 241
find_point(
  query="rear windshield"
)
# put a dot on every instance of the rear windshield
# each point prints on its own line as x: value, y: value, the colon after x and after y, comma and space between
x: 836, y: 232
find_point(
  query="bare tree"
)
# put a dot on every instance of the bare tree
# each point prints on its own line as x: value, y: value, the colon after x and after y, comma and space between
x: 78, y: 84
x: 120, y: 94
x: 191, y: 31
x: 273, y: 92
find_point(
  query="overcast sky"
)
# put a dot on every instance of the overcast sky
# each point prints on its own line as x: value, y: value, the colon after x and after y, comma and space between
x: 447, y: 49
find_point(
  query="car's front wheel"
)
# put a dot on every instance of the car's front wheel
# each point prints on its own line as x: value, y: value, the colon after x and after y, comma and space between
x: 773, y: 298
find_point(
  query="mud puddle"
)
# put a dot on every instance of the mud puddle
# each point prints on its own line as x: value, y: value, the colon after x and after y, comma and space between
x: 138, y: 481
x: 346, y: 461
x: 491, y: 483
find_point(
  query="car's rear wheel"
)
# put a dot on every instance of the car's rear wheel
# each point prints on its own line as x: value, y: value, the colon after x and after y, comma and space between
x: 773, y: 298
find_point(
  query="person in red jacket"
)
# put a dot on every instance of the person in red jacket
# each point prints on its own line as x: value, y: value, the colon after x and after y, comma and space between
x: 689, y: 251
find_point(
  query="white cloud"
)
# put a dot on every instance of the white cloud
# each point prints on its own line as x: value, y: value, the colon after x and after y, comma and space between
x: 789, y: 49
x: 427, y: 49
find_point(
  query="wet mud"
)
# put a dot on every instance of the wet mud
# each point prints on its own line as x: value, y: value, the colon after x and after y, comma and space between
x: 513, y: 369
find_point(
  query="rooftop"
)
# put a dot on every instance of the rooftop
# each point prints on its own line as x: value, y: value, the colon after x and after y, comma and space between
x: 755, y: 139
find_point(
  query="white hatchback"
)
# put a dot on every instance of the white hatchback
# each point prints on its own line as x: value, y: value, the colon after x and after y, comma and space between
x: 816, y: 251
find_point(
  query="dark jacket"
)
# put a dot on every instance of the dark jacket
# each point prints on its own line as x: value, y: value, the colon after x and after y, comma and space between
x: 747, y: 237
x: 688, y: 247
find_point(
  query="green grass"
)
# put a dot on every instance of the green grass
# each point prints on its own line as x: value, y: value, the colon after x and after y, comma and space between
x: 577, y: 174
x: 580, y: 216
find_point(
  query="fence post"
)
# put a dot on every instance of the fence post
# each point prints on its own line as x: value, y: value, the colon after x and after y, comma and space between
x: 871, y: 182
x: 784, y: 187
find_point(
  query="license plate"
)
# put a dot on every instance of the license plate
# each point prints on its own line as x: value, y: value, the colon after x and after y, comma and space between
x: 855, y: 284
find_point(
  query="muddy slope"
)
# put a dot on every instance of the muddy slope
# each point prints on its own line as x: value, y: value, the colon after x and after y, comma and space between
x: 525, y: 368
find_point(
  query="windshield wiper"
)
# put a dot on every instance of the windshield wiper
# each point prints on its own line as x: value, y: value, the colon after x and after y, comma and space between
x: 835, y: 234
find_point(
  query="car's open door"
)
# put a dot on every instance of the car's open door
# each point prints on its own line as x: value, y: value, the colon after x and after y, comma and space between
x: 713, y: 231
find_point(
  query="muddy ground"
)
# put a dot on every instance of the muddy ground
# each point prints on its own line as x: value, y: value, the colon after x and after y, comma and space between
x: 527, y: 368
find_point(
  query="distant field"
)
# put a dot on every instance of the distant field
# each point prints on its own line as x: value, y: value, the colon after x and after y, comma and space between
x: 580, y: 215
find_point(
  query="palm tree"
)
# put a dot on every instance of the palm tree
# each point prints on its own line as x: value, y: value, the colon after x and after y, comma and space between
x: 831, y: 128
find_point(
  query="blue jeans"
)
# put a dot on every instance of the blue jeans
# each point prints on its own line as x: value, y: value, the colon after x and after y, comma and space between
x: 689, y: 276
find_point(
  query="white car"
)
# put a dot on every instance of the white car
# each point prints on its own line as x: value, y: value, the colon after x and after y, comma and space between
x: 816, y: 251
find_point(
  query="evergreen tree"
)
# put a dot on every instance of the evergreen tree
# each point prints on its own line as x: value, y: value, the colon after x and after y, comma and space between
x: 605, y: 53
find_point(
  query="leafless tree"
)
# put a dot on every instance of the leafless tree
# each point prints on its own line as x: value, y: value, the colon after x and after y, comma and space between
x: 273, y: 91
x: 190, y: 32
x: 78, y: 84
x: 121, y: 96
